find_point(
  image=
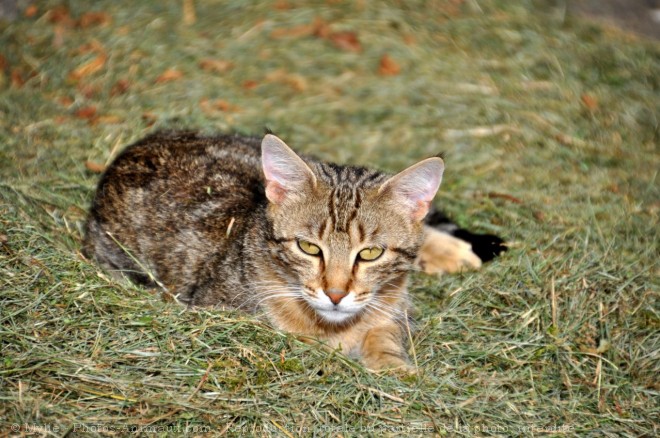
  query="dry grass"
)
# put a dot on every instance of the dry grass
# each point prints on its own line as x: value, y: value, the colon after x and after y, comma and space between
x: 551, y: 133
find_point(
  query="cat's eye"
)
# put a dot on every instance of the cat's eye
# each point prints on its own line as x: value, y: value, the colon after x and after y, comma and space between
x: 309, y: 248
x: 370, y: 254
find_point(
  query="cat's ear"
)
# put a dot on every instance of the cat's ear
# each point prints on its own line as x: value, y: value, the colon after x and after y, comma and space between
x: 286, y: 173
x: 414, y: 188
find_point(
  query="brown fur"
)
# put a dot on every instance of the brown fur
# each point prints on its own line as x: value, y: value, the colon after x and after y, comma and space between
x: 217, y: 222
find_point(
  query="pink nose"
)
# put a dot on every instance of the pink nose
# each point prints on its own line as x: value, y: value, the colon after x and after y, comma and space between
x: 335, y: 295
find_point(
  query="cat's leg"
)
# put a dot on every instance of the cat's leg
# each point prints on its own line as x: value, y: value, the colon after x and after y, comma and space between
x: 444, y: 253
x: 383, y: 348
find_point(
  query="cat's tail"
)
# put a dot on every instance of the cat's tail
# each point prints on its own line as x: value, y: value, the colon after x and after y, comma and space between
x: 485, y: 246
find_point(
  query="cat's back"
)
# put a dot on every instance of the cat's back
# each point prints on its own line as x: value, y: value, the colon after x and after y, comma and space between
x: 169, y: 200
x: 185, y: 157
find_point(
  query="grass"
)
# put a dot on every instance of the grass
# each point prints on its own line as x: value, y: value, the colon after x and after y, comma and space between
x: 551, y: 131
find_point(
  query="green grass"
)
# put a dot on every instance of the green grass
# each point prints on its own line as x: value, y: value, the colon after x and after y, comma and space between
x: 550, y: 128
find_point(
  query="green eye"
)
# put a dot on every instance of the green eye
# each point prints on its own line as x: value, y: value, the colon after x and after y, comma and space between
x: 369, y: 254
x: 309, y: 248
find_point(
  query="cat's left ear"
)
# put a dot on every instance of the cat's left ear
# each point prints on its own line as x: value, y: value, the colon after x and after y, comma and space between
x: 286, y: 173
x: 414, y: 188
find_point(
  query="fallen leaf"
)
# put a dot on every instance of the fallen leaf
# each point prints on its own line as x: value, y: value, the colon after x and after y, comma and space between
x: 511, y: 198
x: 589, y: 101
x: 453, y: 8
x: 347, y: 41
x: 215, y: 65
x: 210, y: 106
x: 388, y: 67
x: 3, y: 63
x: 171, y: 74
x: 90, y: 67
x: 60, y: 15
x: 94, y: 167
x: 17, y: 80
x: 65, y: 101
x: 250, y: 84
x: 89, y: 91
x: 120, y: 87
x: 89, y: 19
x: 295, y: 81
x: 409, y: 40
x: 282, y: 5
x: 538, y: 215
x: 321, y: 28
x: 31, y: 11
x: 86, y: 112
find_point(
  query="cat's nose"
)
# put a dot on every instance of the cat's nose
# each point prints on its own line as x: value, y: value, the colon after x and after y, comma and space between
x: 335, y: 295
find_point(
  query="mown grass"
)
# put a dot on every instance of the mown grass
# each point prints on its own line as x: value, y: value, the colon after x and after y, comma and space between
x: 551, y: 131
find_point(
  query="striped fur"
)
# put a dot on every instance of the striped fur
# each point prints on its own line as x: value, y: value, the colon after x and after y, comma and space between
x: 191, y: 214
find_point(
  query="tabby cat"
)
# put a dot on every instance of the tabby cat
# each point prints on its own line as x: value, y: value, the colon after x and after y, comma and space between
x: 322, y: 250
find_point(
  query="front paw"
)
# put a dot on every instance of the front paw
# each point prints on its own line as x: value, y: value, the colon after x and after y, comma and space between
x: 389, y: 362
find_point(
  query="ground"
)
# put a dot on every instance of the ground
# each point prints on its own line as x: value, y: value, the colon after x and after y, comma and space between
x: 550, y: 131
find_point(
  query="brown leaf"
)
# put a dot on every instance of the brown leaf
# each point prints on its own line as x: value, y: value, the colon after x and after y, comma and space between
x: 31, y: 11
x: 60, y: 15
x: 321, y: 28
x: 90, y: 67
x: 120, y: 87
x: 65, y: 101
x: 94, y: 167
x: 89, y: 91
x: 453, y: 8
x: 215, y: 65
x: 3, y: 63
x: 171, y: 74
x: 511, y: 198
x: 86, y: 112
x: 295, y: 81
x: 215, y: 105
x: 17, y: 80
x: 589, y: 101
x: 89, y: 19
x: 250, y: 84
x: 347, y: 41
x: 388, y: 67
x: 282, y: 5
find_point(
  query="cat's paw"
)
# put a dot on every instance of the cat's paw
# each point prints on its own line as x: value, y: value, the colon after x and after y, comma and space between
x: 443, y: 253
x: 386, y: 362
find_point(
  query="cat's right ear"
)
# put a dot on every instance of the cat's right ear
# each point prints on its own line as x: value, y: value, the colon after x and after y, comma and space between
x: 286, y: 173
x: 414, y: 188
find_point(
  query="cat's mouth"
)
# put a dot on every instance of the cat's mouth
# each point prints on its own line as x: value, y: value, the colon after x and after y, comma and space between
x: 335, y: 316
x: 334, y: 313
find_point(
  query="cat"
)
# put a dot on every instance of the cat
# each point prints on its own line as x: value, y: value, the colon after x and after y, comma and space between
x: 323, y: 250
